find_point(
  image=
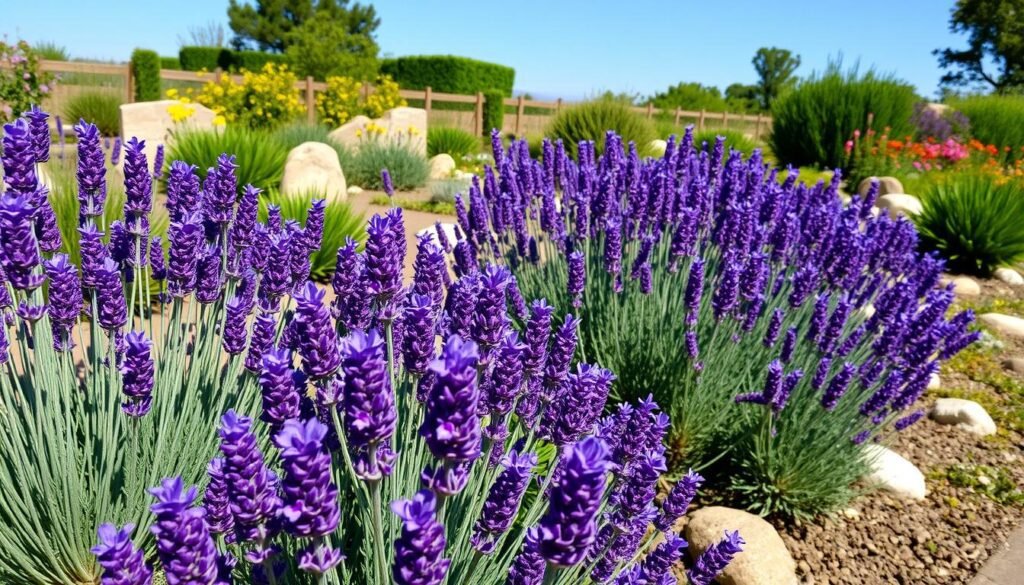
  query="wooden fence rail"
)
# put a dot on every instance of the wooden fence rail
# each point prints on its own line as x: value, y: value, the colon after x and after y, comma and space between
x: 525, y: 110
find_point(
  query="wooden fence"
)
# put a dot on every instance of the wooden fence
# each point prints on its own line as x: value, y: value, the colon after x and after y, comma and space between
x: 526, y: 117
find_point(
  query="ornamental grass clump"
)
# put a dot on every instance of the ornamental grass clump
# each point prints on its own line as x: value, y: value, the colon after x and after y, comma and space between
x: 738, y: 301
x: 240, y: 427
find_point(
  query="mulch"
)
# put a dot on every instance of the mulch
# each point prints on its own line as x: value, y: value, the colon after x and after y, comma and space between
x: 943, y: 539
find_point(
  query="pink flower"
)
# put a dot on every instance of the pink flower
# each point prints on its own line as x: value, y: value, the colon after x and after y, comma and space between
x: 848, y: 146
x: 856, y: 133
x: 44, y: 88
x: 917, y: 165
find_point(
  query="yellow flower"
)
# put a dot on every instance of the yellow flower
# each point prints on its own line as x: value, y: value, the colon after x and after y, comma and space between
x: 219, y: 121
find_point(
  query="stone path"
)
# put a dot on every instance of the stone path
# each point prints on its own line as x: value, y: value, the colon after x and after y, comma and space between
x: 1006, y: 567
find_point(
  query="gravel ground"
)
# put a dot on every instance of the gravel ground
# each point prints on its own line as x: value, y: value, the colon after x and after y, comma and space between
x: 948, y: 536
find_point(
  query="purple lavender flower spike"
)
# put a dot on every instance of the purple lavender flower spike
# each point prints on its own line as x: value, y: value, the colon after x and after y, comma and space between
x: 19, y: 159
x: 656, y: 566
x: 243, y: 228
x: 183, y: 194
x: 183, y: 542
x: 186, y: 238
x: 138, y: 181
x: 694, y: 289
x: 489, y: 316
x: 568, y: 528
x: 908, y: 420
x: 563, y: 346
x: 137, y: 372
x: 47, y: 231
x: 157, y: 264
x: 715, y: 558
x: 65, y: 299
x: 40, y: 131
x: 538, y: 330
x: 221, y: 191
x: 18, y: 248
x: 385, y: 180
x: 91, y: 173
x: 418, y: 341
x: 264, y: 327
x: 528, y: 566
x: 282, y: 388
x: 234, y: 337
x: 788, y: 345
x: 113, y: 312
x: 577, y: 278
x: 310, y: 498
x: 215, y: 500
x: 122, y: 562
x: 115, y: 152
x: 576, y: 408
x: 209, y: 280
x: 837, y: 386
x: 318, y: 343
x: 419, y: 549
x: 368, y: 400
x: 502, y: 503
x: 251, y: 489
x: 384, y: 269
x: 678, y: 500
x: 451, y: 425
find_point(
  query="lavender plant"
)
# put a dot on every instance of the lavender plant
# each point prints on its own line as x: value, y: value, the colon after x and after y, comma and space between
x: 780, y: 327
x: 239, y: 427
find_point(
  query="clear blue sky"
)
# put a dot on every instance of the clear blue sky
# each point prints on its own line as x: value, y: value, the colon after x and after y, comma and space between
x: 560, y: 48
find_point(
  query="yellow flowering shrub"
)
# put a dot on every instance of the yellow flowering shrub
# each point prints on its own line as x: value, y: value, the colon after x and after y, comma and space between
x: 264, y: 99
x: 343, y: 99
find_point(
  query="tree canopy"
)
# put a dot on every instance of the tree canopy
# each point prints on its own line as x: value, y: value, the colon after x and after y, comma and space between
x: 775, y: 68
x: 995, y: 37
x: 321, y: 49
x: 271, y: 25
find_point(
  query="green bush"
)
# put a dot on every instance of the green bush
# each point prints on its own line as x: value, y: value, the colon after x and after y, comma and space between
x: 101, y: 108
x: 454, y: 141
x: 171, y: 63
x: 592, y: 120
x: 260, y: 158
x: 209, y: 58
x: 974, y: 222
x: 408, y: 168
x: 254, y: 60
x: 340, y: 222
x: 446, y: 190
x: 146, y: 71
x: 811, y: 123
x: 494, y: 110
x: 734, y: 139
x: 51, y: 51
x: 449, y: 74
x: 997, y: 119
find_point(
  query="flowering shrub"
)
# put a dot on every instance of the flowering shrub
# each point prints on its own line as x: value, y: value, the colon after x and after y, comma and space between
x: 262, y: 100
x: 335, y: 443
x: 343, y: 99
x: 736, y: 300
x: 932, y: 123
x: 22, y: 83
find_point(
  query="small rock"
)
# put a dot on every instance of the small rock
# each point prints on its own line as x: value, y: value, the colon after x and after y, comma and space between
x: 658, y: 147
x: 868, y: 311
x: 984, y: 480
x: 934, y: 382
x: 964, y: 286
x: 851, y: 513
x: 1009, y: 276
x: 441, y: 166
x: 891, y: 472
x: 1005, y: 324
x: 886, y: 186
x: 764, y: 560
x: 355, y: 190
x: 1014, y: 364
x: 965, y: 414
x: 314, y: 166
x: 897, y: 204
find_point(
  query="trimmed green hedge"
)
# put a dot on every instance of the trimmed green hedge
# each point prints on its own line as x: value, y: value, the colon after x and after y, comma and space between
x: 449, y: 74
x: 210, y: 58
x: 171, y: 63
x: 494, y: 110
x: 146, y: 71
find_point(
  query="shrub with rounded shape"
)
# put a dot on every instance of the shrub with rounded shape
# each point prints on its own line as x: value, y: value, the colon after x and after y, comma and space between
x: 408, y: 168
x: 260, y: 159
x: 976, y: 222
x: 998, y: 120
x: 101, y: 108
x: 592, y: 120
x: 454, y: 141
x: 734, y: 139
x: 811, y: 123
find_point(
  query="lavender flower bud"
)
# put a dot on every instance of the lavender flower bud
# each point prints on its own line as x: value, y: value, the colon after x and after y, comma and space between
x: 281, y: 387
x: 310, y: 498
x: 568, y: 528
x: 137, y: 374
x: 183, y: 542
x: 528, y: 566
x: 678, y: 500
x: 577, y: 278
x: 318, y: 343
x: 837, y: 387
x: 502, y: 503
x: 451, y: 426
x: 563, y: 346
x: 419, y: 548
x: 122, y: 563
x: 715, y: 558
x: 368, y: 400
x: 251, y: 491
x: 113, y: 312
x: 215, y: 499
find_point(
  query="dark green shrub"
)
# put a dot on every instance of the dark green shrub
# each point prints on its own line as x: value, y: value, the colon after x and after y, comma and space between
x: 494, y: 110
x: 449, y: 74
x: 340, y: 222
x: 997, y: 119
x: 254, y: 60
x: 811, y: 123
x: 208, y: 58
x: 146, y: 71
x: 171, y: 63
x: 734, y: 139
x: 408, y: 168
x: 454, y: 141
x: 101, y: 108
x: 592, y: 120
x: 260, y: 158
x: 974, y: 222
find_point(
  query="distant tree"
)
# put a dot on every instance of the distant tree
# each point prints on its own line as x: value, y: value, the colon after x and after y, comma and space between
x: 742, y: 98
x: 269, y: 24
x: 210, y: 34
x: 320, y: 48
x: 775, y: 68
x: 690, y: 96
x: 995, y: 34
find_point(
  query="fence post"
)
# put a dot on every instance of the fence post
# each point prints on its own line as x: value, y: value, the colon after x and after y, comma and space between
x: 310, y: 102
x: 700, y: 121
x: 650, y: 110
x: 679, y: 113
x: 129, y: 84
x: 725, y: 120
x: 428, y: 97
x: 478, y: 116
x: 757, y: 127
x: 558, y: 105
x: 519, y: 114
